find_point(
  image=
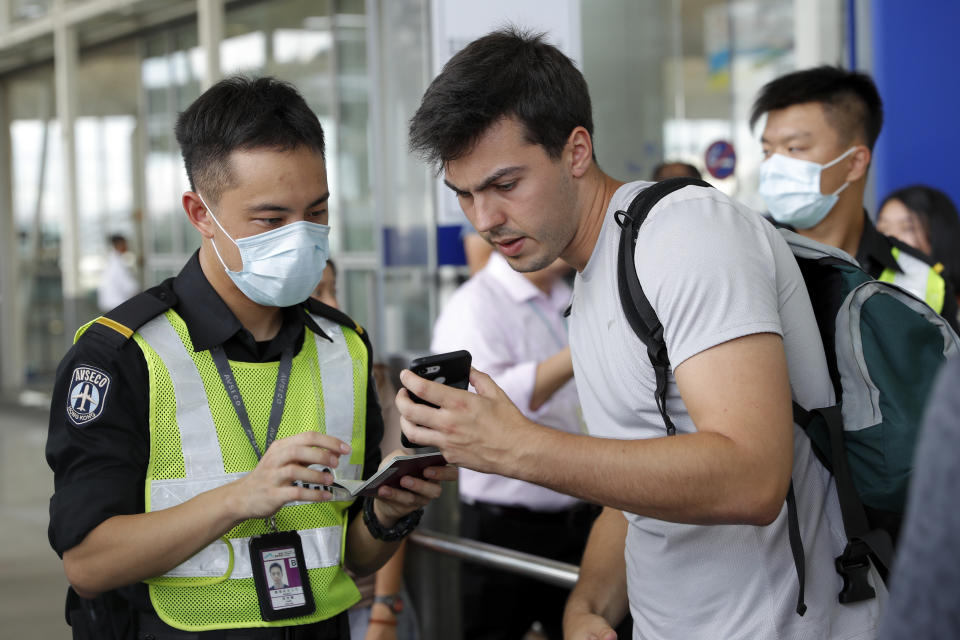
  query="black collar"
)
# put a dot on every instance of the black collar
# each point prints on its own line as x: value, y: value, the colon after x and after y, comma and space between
x: 874, y: 251
x: 211, y: 322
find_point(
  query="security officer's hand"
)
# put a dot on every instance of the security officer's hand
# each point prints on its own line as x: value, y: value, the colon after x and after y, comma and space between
x: 262, y: 492
x: 391, y: 504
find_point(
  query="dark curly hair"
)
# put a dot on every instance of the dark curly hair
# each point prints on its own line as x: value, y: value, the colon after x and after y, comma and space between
x: 509, y: 72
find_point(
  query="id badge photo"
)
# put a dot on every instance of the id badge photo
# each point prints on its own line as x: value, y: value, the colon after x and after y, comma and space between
x: 280, y: 576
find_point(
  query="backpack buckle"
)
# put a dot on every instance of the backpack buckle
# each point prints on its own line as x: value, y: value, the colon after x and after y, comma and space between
x: 854, y: 568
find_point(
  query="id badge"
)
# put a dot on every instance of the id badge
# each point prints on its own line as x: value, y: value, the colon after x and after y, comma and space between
x: 280, y: 575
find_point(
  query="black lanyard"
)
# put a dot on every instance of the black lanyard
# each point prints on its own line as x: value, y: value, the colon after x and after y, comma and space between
x: 233, y: 392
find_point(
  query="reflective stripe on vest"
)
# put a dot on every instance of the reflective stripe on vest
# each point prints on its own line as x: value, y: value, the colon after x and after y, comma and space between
x: 336, y: 371
x: 917, y: 277
x: 321, y: 549
x: 201, y: 448
x: 203, y: 458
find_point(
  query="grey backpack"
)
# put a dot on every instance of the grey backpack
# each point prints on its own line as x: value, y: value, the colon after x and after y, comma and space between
x: 883, y: 347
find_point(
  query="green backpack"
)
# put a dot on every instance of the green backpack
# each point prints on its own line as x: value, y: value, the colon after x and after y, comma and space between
x: 883, y: 347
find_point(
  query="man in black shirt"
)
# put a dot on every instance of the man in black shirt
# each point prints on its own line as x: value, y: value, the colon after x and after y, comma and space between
x: 821, y: 127
x: 212, y: 413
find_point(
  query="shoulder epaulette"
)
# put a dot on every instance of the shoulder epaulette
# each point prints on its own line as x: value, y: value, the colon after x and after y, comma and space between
x: 120, y: 323
x: 328, y: 312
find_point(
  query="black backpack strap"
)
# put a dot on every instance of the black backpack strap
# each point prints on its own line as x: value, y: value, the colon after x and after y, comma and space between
x: 640, y: 314
x: 796, y: 547
x: 119, y: 324
x: 863, y: 541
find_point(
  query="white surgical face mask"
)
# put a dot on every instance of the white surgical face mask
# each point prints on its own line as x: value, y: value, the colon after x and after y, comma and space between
x: 280, y: 267
x: 791, y: 189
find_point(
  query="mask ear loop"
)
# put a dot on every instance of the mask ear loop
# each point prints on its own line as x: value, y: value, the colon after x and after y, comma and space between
x: 842, y: 187
x: 214, y: 242
x: 822, y: 167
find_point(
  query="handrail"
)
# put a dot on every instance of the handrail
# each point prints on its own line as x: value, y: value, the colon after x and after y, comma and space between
x: 560, y: 574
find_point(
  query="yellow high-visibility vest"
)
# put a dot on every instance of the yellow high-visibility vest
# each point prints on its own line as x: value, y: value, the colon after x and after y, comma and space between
x: 917, y: 277
x: 198, y: 444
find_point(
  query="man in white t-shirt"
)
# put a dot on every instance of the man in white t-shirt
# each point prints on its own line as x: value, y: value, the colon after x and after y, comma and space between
x: 694, y: 537
x: 512, y: 324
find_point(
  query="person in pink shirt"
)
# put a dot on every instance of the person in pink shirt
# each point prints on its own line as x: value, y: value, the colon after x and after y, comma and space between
x: 512, y: 324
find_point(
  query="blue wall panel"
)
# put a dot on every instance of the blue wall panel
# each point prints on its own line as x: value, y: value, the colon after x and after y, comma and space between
x: 450, y: 245
x: 916, y: 49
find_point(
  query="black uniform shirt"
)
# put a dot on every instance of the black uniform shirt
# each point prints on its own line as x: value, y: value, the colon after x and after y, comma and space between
x: 874, y: 255
x: 100, y: 467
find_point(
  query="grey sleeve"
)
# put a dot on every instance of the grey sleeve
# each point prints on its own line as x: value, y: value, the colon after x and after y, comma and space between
x: 925, y: 582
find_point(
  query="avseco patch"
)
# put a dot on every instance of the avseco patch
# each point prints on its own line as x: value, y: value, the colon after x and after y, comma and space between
x: 87, y: 394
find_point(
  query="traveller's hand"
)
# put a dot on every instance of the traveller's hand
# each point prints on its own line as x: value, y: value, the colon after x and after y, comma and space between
x: 270, y: 485
x: 391, y: 503
x: 474, y: 430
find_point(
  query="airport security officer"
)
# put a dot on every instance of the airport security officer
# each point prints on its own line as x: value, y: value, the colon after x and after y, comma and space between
x: 199, y: 431
x: 818, y: 140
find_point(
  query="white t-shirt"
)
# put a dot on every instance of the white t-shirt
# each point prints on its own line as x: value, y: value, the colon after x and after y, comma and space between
x: 713, y: 271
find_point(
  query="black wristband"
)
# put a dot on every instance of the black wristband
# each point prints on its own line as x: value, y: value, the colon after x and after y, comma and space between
x: 398, y: 531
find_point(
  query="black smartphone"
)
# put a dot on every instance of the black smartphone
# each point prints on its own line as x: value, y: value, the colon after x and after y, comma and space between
x: 452, y: 369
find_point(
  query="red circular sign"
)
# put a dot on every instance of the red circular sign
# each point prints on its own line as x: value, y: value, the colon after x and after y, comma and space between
x: 721, y: 159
